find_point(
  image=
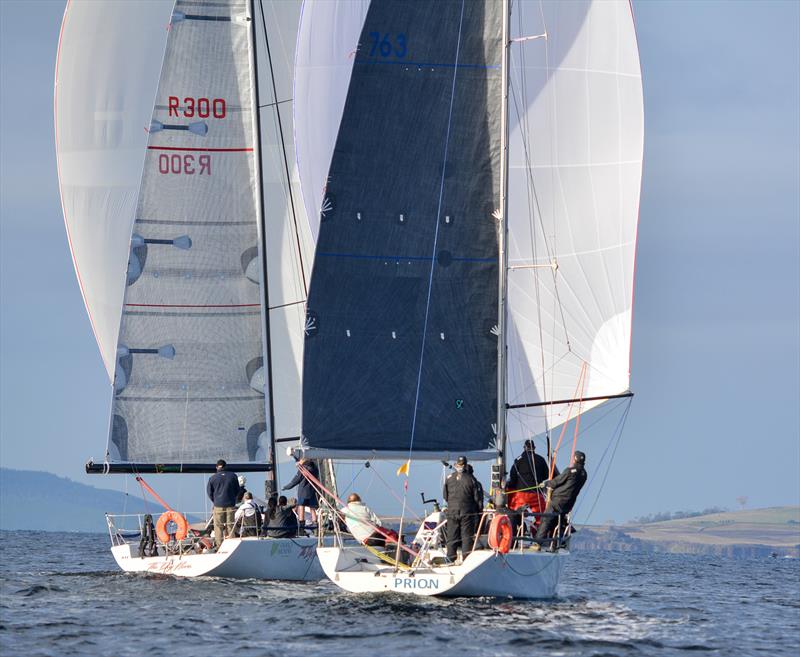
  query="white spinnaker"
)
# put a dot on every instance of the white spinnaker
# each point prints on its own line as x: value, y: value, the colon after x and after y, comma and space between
x: 575, y: 173
x: 107, y: 68
x: 326, y: 43
x: 290, y: 247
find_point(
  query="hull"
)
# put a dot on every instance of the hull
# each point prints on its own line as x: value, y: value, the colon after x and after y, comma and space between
x: 519, y: 574
x: 291, y: 559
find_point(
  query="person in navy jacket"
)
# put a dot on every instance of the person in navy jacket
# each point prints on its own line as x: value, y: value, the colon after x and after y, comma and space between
x: 222, y: 489
x: 306, y: 493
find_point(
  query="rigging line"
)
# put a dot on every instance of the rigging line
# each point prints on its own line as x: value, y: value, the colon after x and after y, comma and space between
x: 391, y: 490
x: 266, y: 331
x: 566, y: 422
x: 578, y: 419
x: 532, y: 186
x: 619, y: 432
x: 611, y: 408
x: 280, y: 102
x: 316, y: 483
x: 283, y: 150
x: 183, y: 443
x: 529, y: 191
x: 353, y: 480
x: 436, y: 233
x: 433, y: 264
x: 550, y: 252
x: 286, y: 305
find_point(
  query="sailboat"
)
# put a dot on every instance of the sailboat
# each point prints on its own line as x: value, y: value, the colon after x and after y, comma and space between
x: 190, y: 244
x: 476, y: 170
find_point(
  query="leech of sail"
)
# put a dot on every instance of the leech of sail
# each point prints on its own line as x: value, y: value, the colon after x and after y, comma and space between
x: 570, y: 401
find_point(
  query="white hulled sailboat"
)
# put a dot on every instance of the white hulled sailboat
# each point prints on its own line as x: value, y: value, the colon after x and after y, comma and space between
x: 476, y: 168
x: 178, y: 189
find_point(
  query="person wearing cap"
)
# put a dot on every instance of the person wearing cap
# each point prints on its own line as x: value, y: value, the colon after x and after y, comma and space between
x: 464, y: 498
x: 222, y: 489
x: 242, y: 490
x: 306, y: 493
x: 564, y: 491
x: 528, y: 471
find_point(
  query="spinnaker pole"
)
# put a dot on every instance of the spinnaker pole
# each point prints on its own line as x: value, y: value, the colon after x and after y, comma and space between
x: 502, y: 241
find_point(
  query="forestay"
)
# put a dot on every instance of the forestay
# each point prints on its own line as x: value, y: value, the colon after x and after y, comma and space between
x: 575, y: 172
x: 400, y: 350
x: 190, y: 378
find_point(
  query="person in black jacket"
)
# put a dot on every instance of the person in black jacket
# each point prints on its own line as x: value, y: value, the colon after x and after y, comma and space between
x: 464, y: 497
x: 281, y: 520
x: 529, y: 469
x: 222, y: 489
x: 306, y: 493
x: 564, y: 491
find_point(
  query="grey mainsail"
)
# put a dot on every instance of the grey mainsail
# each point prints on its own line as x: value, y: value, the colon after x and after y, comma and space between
x: 190, y: 379
x: 401, y: 345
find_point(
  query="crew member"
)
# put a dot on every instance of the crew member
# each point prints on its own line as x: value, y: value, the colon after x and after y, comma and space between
x: 464, y: 498
x: 242, y: 490
x: 306, y: 493
x: 564, y: 491
x: 281, y: 519
x: 247, y: 520
x: 529, y: 470
x: 222, y: 489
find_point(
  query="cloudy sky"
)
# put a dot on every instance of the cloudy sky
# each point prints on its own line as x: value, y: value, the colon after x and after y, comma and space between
x: 716, y: 355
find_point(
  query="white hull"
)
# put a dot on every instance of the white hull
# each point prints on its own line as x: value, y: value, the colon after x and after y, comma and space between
x: 518, y: 574
x: 239, y: 558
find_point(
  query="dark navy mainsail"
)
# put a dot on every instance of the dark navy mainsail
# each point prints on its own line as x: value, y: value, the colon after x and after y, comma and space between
x: 401, y: 349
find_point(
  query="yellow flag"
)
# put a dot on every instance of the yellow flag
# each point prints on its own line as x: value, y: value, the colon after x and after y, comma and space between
x: 403, y: 469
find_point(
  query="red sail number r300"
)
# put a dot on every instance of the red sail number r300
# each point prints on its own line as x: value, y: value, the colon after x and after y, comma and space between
x: 202, y: 107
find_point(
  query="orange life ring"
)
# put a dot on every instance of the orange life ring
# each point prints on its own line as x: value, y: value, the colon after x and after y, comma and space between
x: 500, y: 535
x: 178, y: 519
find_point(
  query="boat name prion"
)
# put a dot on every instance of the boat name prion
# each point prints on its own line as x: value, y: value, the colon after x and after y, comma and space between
x: 414, y: 583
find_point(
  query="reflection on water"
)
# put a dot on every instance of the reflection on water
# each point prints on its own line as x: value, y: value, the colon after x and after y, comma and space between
x: 62, y: 595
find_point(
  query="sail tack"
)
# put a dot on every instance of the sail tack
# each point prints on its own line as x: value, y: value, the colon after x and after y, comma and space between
x: 190, y: 376
x: 400, y: 350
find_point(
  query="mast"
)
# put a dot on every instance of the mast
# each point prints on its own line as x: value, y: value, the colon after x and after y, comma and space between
x: 271, y: 483
x: 502, y: 239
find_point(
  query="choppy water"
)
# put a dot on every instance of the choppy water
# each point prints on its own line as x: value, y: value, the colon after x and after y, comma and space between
x: 61, y: 594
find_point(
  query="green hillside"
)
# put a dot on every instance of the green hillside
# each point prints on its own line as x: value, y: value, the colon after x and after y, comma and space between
x: 773, y: 531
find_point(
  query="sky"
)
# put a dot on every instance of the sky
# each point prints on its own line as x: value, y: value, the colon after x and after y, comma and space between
x: 716, y: 334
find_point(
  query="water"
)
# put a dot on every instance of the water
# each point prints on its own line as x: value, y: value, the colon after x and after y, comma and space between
x: 61, y: 594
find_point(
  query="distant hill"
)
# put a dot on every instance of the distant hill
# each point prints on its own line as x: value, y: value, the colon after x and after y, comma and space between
x: 44, y: 501
x: 748, y: 533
